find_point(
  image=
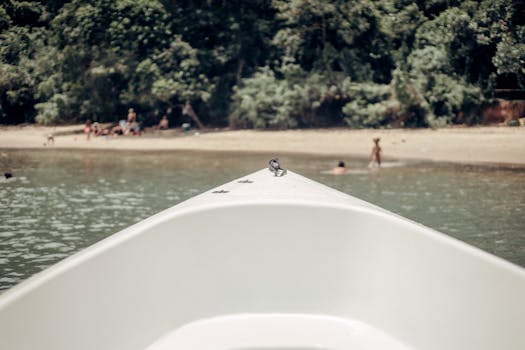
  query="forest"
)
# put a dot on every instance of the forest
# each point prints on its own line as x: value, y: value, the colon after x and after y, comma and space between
x: 265, y: 64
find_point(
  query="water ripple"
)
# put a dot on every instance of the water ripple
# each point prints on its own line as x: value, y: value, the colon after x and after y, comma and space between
x: 64, y: 201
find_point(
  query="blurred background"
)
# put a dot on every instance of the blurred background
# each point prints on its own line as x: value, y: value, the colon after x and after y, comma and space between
x: 262, y: 63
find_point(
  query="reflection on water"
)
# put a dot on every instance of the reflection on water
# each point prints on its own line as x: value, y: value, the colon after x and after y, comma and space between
x: 63, y: 201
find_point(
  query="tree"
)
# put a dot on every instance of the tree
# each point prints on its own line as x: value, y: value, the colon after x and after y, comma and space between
x: 335, y: 36
x: 436, y: 71
x: 179, y: 79
x: 103, y: 43
x: 330, y: 61
x: 232, y: 40
x: 20, y: 58
x: 5, y: 19
x: 399, y: 20
x: 509, y: 59
x: 321, y: 46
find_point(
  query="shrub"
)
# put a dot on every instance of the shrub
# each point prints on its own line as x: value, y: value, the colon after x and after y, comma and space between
x: 263, y: 101
x: 53, y: 111
x: 372, y: 105
x: 372, y: 115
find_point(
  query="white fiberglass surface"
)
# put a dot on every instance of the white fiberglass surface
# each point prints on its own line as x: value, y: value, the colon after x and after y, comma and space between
x: 414, y: 286
x: 276, y: 332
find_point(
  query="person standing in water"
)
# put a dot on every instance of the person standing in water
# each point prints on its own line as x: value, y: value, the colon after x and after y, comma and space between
x: 376, y: 154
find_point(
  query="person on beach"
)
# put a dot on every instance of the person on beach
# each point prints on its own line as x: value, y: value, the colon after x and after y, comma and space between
x: 135, y: 129
x: 97, y: 130
x: 117, y: 130
x: 376, y: 154
x: 163, y: 124
x: 132, y: 116
x: 339, y: 169
x: 131, y: 121
x: 87, y: 129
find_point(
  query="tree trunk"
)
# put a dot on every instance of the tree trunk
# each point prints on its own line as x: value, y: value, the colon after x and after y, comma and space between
x: 188, y: 109
x: 240, y: 66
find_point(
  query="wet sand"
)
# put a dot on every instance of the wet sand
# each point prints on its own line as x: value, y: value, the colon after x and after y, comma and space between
x: 497, y: 145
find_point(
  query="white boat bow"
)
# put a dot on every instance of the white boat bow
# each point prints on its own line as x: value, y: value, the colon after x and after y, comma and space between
x: 271, y: 262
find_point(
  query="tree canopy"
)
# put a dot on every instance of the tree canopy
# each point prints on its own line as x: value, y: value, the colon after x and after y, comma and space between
x: 260, y: 63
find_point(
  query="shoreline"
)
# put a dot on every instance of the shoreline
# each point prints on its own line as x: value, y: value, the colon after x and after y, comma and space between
x: 467, y: 145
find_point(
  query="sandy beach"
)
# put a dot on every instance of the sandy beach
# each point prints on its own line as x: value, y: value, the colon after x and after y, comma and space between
x: 474, y: 145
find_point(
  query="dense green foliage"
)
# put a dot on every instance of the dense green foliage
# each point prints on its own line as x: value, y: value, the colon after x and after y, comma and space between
x: 259, y: 63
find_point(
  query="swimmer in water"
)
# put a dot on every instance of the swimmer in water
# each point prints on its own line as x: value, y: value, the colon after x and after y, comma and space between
x: 340, y: 168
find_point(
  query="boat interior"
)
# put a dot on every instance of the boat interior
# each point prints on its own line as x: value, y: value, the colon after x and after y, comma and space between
x: 297, y: 275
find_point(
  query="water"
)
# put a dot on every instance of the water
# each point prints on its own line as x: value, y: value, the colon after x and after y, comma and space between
x: 63, y: 201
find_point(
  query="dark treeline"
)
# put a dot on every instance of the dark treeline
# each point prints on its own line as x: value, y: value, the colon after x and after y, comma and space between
x: 259, y: 63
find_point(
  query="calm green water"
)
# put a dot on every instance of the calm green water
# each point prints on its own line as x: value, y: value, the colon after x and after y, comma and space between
x: 63, y: 201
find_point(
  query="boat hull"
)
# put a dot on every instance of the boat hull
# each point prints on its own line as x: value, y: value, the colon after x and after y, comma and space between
x: 268, y: 255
